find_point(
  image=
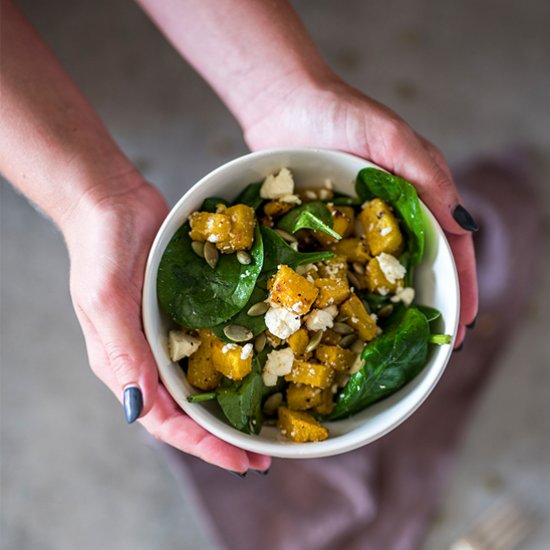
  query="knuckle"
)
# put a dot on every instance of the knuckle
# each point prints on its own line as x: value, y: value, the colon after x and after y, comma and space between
x: 121, y: 361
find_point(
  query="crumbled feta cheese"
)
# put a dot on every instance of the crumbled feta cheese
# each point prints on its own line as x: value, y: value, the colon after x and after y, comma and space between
x: 331, y: 310
x: 319, y: 319
x: 324, y: 194
x: 297, y: 307
x: 269, y: 379
x: 383, y: 290
x: 328, y: 184
x: 385, y: 231
x: 213, y: 238
x: 279, y: 361
x: 246, y: 351
x: 181, y: 344
x: 405, y: 295
x: 391, y: 267
x: 291, y: 199
x: 281, y: 322
x: 277, y: 186
x: 229, y: 347
x: 309, y: 194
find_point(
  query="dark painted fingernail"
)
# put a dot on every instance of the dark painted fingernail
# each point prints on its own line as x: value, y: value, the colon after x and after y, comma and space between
x: 472, y: 324
x: 133, y: 403
x: 459, y: 347
x: 238, y: 474
x: 464, y: 218
x: 262, y: 472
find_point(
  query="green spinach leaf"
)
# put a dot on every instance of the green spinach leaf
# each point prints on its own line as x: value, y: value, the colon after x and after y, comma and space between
x: 310, y: 215
x: 277, y: 251
x: 197, y: 296
x: 211, y: 204
x: 250, y: 196
x: 392, y: 360
x: 400, y: 194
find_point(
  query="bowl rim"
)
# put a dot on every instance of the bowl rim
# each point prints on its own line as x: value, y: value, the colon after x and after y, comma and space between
x: 283, y: 449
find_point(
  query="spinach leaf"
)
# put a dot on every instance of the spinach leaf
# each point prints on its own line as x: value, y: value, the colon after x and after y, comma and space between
x: 250, y: 196
x: 210, y: 204
x: 400, y: 194
x: 277, y: 251
x: 241, y: 402
x: 430, y: 313
x: 197, y: 296
x: 311, y: 215
x: 255, y: 324
x: 392, y: 360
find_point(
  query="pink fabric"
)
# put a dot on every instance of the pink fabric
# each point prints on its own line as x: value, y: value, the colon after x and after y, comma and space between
x: 382, y: 496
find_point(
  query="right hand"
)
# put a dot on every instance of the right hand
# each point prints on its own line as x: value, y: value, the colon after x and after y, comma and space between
x: 108, y: 238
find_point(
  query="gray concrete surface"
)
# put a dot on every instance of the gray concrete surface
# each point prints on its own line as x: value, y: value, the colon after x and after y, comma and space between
x: 472, y: 76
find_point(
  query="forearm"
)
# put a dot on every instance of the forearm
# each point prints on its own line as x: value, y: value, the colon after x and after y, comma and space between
x: 254, y: 53
x: 53, y: 147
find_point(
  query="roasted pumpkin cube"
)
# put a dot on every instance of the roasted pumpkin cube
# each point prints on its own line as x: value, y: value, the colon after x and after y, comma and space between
x: 300, y: 426
x: 338, y: 358
x: 341, y: 223
x: 359, y: 318
x: 298, y: 341
x: 335, y: 268
x: 207, y: 226
x: 313, y: 374
x: 241, y: 236
x: 276, y: 208
x: 231, y: 360
x: 382, y: 231
x: 327, y: 402
x: 354, y: 249
x: 292, y: 291
x: 331, y: 291
x: 376, y: 280
x: 301, y: 397
x: 201, y: 372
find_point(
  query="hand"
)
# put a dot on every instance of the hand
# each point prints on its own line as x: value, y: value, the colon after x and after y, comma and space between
x: 337, y: 116
x: 108, y: 239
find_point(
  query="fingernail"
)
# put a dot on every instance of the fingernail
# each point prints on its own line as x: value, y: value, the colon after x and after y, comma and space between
x: 473, y: 323
x: 262, y: 472
x: 238, y: 474
x: 459, y: 348
x: 133, y: 403
x: 464, y: 218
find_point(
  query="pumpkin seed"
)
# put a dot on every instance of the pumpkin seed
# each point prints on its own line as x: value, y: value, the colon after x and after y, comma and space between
x: 342, y: 328
x: 198, y: 248
x: 237, y: 333
x: 341, y: 318
x: 260, y: 342
x: 358, y: 268
x: 354, y: 280
x: 357, y: 346
x: 211, y: 254
x: 314, y: 341
x: 258, y: 309
x: 243, y: 257
x: 385, y: 311
x: 347, y: 340
x: 286, y: 236
x: 272, y: 403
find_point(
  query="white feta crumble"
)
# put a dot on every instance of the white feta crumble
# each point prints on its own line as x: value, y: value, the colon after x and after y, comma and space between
x: 385, y: 231
x: 297, y: 307
x: 213, y: 238
x: 391, y: 267
x: 291, y: 199
x: 246, y: 351
x: 269, y: 379
x: 279, y: 361
x: 383, y: 290
x: 281, y: 322
x: 319, y: 319
x: 277, y: 186
x: 328, y: 184
x: 309, y: 194
x: 331, y: 310
x: 229, y: 347
x: 181, y: 344
x: 405, y: 295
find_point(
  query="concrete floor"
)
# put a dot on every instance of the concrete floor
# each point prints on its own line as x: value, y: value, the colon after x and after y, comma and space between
x: 471, y: 76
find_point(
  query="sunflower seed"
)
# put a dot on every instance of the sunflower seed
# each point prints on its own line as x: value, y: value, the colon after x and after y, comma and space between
x: 347, y: 340
x: 385, y: 311
x: 286, y: 236
x: 259, y: 342
x: 358, y: 268
x: 198, y: 248
x: 211, y: 254
x: 314, y: 341
x: 243, y: 257
x: 258, y: 309
x: 237, y: 333
x: 342, y: 328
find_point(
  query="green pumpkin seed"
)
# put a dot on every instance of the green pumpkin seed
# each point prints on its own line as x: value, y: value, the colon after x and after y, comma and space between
x: 243, y: 257
x: 260, y: 342
x: 358, y: 268
x: 385, y: 311
x: 354, y: 280
x: 347, y: 340
x: 258, y: 309
x: 237, y: 333
x: 286, y: 236
x: 198, y: 248
x: 272, y: 403
x: 211, y: 254
x: 314, y: 341
x: 342, y: 328
x: 357, y: 346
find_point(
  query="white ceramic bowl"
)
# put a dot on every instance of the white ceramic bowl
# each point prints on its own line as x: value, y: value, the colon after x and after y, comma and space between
x: 436, y: 283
